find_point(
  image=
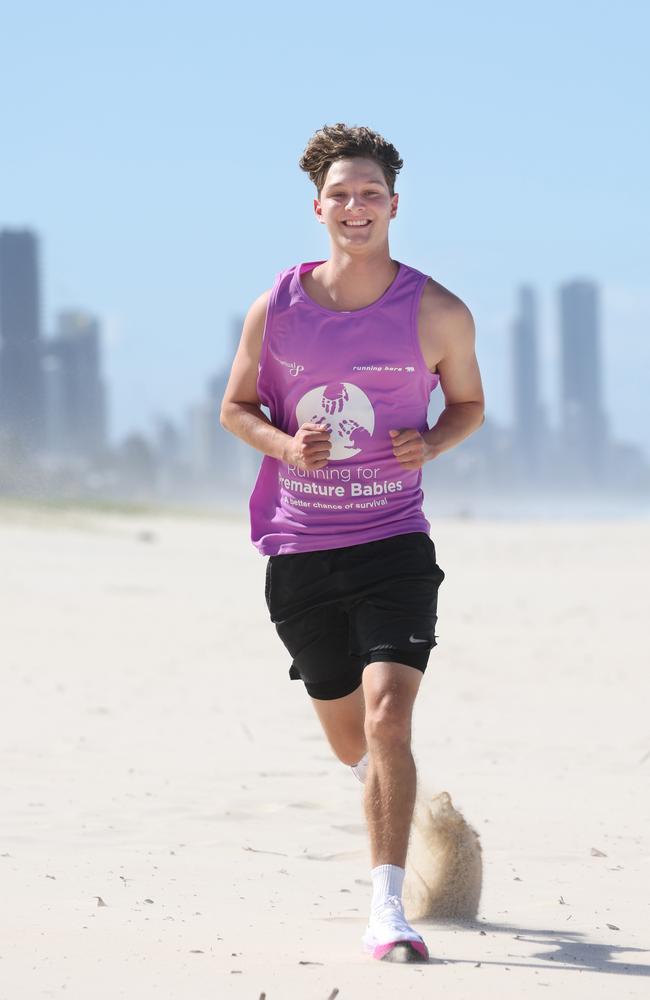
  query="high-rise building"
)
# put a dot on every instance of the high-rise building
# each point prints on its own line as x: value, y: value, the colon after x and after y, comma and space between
x: 76, y: 394
x: 527, y: 410
x: 583, y: 419
x: 21, y: 383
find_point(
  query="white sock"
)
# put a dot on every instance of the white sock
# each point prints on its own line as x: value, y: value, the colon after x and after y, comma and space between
x: 387, y: 880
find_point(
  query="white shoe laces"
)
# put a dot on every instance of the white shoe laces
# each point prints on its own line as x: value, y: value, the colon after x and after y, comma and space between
x: 389, y: 916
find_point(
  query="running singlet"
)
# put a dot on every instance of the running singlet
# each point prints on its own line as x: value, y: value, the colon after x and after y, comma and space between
x: 360, y: 373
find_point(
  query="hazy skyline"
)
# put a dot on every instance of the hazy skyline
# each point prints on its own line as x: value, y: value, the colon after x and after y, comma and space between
x: 154, y: 150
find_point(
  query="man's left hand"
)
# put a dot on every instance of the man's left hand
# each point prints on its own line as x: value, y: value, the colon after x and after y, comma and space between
x: 410, y: 449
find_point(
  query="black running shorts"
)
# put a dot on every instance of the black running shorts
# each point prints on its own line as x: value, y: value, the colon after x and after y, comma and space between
x: 337, y: 610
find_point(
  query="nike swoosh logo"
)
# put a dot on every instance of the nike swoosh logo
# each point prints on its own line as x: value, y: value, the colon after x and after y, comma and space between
x: 413, y: 639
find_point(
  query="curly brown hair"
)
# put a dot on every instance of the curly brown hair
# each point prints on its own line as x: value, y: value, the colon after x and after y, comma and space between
x: 332, y: 142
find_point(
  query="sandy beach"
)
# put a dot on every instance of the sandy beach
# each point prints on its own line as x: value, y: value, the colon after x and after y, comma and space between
x: 175, y: 826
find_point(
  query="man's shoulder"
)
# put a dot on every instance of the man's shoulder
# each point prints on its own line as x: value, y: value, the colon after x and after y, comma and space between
x: 444, y: 320
x: 438, y: 300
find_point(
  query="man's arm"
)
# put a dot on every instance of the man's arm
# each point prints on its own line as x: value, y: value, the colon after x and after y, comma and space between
x: 241, y: 411
x: 460, y: 380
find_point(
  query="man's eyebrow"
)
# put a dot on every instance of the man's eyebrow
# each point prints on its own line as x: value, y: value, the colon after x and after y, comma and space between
x: 336, y: 184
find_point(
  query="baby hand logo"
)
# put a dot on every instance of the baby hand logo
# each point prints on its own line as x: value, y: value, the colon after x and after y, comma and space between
x: 345, y: 410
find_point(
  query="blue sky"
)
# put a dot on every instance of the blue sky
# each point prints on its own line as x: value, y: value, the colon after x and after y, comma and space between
x: 154, y: 147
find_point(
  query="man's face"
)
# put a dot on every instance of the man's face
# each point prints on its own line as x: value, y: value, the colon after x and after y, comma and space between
x: 355, y: 204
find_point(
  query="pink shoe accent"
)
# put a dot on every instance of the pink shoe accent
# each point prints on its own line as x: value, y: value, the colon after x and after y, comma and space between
x: 382, y: 949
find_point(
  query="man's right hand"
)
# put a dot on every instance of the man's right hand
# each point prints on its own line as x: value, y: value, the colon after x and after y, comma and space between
x: 310, y: 446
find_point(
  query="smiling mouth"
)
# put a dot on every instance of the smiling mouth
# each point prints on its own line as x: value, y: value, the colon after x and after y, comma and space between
x: 356, y: 224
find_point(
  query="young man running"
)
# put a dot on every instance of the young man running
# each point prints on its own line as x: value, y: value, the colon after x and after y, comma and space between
x: 345, y: 353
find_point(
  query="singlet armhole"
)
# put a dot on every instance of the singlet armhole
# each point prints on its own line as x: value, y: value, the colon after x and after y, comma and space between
x: 266, y: 334
x: 415, y: 337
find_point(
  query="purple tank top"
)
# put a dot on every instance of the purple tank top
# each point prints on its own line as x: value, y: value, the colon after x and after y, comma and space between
x: 361, y: 372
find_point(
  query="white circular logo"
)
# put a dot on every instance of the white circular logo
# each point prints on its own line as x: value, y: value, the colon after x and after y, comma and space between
x: 345, y: 410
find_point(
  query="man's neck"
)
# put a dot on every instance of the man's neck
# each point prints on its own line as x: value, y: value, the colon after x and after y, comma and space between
x: 352, y: 281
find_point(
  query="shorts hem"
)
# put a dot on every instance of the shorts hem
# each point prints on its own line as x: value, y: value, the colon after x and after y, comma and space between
x: 409, y: 657
x: 337, y: 687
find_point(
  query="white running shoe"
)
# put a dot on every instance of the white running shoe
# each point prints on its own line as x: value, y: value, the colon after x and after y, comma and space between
x: 390, y: 938
x: 360, y: 770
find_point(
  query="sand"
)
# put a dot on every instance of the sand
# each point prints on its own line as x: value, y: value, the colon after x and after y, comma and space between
x: 156, y: 757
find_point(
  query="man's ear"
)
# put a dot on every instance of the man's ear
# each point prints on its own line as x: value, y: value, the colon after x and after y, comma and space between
x: 318, y: 210
x: 393, y: 205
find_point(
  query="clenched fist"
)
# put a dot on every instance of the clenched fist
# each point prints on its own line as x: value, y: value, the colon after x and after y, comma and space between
x: 410, y: 449
x: 310, y: 446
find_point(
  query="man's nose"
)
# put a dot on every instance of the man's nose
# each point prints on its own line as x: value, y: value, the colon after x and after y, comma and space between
x: 354, y: 201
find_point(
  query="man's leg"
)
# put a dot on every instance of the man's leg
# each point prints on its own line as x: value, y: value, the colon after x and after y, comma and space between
x: 343, y: 722
x: 389, y: 690
x: 377, y: 717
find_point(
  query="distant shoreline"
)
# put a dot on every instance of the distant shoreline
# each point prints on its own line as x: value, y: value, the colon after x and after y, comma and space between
x: 124, y: 508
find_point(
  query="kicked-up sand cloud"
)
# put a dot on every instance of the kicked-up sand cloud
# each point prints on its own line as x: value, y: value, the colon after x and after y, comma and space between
x: 444, y: 867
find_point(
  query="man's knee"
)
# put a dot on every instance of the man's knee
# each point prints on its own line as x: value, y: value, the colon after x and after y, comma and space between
x: 390, y: 690
x: 388, y: 719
